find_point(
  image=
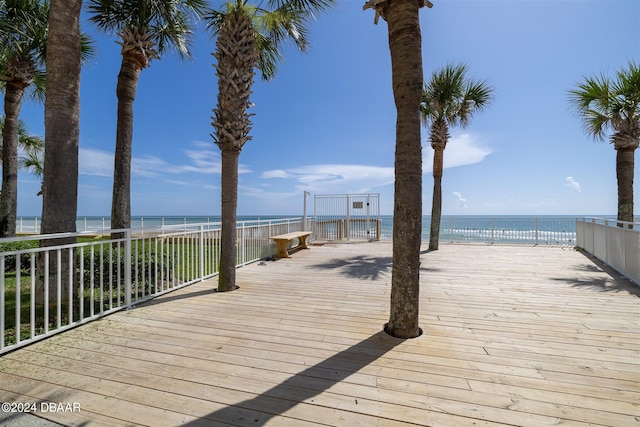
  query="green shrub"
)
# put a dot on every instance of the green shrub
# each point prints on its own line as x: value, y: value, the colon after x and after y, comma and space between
x: 10, y: 260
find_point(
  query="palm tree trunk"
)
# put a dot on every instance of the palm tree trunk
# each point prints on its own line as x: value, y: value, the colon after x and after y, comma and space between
x: 121, y: 198
x: 10, y: 137
x: 436, y: 205
x: 62, y: 130
x: 406, y: 66
x: 237, y: 56
x: 229, y: 195
x: 62, y: 118
x: 624, y: 171
x: 436, y: 214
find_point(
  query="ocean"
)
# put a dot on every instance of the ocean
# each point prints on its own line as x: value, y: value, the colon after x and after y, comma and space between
x: 498, y: 229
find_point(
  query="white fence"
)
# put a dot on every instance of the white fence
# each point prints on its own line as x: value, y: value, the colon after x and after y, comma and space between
x: 49, y: 284
x: 488, y: 230
x: 347, y: 216
x: 616, y: 243
x: 31, y: 225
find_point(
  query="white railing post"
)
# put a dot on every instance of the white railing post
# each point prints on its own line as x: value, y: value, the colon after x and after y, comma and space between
x: 70, y: 286
x: 593, y: 234
x: 127, y: 268
x: 493, y: 227
x: 201, y: 252
x: 606, y: 241
x: 624, y: 251
x: 2, y: 304
x: 243, y: 247
x: 304, y: 212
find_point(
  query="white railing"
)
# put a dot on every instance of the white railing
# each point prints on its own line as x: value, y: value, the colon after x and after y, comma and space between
x: 31, y: 225
x: 49, y: 284
x: 488, y: 230
x: 617, y: 243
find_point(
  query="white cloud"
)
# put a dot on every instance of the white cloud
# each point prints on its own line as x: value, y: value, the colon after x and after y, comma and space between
x: 462, y: 202
x: 192, y: 184
x: 357, y: 179
x: 204, y: 159
x: 461, y: 150
x: 326, y: 179
x: 572, y: 184
x: 149, y: 166
x: 277, y: 173
x: 95, y: 162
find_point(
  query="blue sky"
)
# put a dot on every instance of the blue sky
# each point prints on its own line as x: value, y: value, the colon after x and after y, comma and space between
x: 326, y: 124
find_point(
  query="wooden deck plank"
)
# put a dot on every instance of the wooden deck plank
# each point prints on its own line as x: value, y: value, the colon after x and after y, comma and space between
x: 512, y: 336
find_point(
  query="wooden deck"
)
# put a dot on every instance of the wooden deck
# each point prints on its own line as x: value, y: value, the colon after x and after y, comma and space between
x: 512, y: 336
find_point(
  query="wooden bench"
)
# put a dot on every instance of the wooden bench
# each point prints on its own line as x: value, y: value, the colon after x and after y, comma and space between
x: 283, y: 240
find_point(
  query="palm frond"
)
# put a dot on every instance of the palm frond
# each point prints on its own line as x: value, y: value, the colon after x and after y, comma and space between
x: 448, y: 96
x: 169, y: 23
x: 23, y: 33
x: 279, y: 22
x: 176, y: 35
x: 87, y: 48
x: 304, y: 8
x: 289, y: 24
x: 477, y: 96
x: 592, y: 101
x: 26, y: 142
x: 33, y: 161
x: 610, y: 105
x: 269, y: 56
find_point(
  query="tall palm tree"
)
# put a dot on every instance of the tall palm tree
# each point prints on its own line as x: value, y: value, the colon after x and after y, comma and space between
x: 23, y: 36
x: 405, y: 46
x: 146, y: 30
x: 613, y: 105
x: 62, y: 133
x: 448, y: 99
x: 248, y: 37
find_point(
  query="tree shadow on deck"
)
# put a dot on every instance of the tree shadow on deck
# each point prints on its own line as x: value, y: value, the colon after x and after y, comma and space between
x: 604, y: 278
x: 359, y: 266
x: 303, y: 386
x: 362, y: 267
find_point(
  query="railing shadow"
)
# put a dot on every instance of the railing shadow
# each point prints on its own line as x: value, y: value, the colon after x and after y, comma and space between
x: 175, y: 296
x: 303, y: 386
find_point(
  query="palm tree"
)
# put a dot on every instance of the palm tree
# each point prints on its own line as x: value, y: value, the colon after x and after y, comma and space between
x: 23, y: 36
x: 62, y: 133
x: 605, y: 105
x: 405, y: 46
x: 248, y: 37
x: 146, y: 29
x: 448, y: 99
